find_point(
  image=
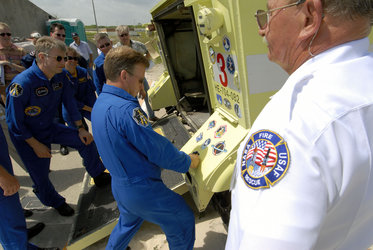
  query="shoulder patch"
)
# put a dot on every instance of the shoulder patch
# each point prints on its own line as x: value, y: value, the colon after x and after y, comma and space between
x: 16, y: 90
x: 94, y: 67
x: 139, y: 116
x: 32, y: 110
x: 265, y: 159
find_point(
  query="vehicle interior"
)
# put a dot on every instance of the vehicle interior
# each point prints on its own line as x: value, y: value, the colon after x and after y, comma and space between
x: 182, y: 56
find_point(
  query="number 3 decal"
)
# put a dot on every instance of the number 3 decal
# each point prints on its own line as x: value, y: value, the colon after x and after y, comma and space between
x: 221, y: 62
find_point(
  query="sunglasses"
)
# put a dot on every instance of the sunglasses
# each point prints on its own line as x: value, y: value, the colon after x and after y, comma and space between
x: 124, y: 34
x: 262, y: 16
x: 5, y: 34
x: 58, y: 58
x: 105, y: 45
x: 75, y: 58
x: 62, y: 35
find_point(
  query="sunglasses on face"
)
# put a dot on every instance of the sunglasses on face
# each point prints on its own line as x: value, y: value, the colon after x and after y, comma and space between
x: 105, y: 45
x: 5, y: 34
x: 75, y: 58
x: 124, y: 34
x: 62, y: 35
x: 58, y: 58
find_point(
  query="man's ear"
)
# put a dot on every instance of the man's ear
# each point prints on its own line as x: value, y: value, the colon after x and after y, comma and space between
x: 41, y: 56
x: 123, y: 74
x: 313, y: 14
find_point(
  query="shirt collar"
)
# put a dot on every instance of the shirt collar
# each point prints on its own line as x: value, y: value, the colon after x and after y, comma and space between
x: 118, y: 92
x: 41, y: 75
x: 35, y: 68
x: 341, y: 52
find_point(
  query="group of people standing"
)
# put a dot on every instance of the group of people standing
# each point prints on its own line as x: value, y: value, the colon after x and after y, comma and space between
x: 319, y: 126
x: 48, y: 103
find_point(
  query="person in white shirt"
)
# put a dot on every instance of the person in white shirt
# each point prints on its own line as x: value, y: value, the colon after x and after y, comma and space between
x: 84, y: 50
x: 304, y: 173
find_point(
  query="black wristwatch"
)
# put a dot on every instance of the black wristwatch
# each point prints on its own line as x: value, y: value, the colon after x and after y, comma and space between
x: 80, y: 126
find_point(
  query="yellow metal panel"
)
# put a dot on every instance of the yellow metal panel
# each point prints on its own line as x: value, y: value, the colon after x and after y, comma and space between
x: 93, y: 237
x: 162, y: 94
x: 215, y: 170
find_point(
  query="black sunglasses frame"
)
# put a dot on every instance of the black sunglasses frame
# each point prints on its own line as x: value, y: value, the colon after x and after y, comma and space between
x: 5, y: 33
x: 105, y: 45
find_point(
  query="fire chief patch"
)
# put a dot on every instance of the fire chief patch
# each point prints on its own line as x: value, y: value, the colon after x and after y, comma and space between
x: 265, y: 159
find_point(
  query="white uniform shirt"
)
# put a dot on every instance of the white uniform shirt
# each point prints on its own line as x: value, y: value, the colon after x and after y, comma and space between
x: 83, y: 49
x: 136, y: 45
x: 320, y: 183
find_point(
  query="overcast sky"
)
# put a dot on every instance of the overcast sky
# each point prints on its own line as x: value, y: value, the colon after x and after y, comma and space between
x: 108, y: 12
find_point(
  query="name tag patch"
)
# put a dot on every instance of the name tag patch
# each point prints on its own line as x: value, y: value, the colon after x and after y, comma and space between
x: 265, y: 159
x: 140, y: 117
x: 32, y: 110
x: 41, y: 91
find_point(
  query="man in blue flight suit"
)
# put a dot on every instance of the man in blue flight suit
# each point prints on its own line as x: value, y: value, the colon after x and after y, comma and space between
x: 32, y: 101
x: 104, y: 44
x: 134, y: 154
x: 13, y: 232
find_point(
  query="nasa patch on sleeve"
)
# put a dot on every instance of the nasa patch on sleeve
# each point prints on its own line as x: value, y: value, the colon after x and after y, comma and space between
x: 265, y: 159
x: 16, y: 90
x: 140, y: 117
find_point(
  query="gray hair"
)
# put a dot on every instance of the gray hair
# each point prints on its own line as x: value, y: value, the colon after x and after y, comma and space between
x: 100, y: 36
x: 349, y: 8
x: 121, y: 28
x: 46, y: 43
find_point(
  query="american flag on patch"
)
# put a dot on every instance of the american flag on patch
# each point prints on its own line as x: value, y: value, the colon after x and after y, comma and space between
x: 264, y: 153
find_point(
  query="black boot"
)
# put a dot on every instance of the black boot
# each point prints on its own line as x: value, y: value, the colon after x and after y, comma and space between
x: 65, y: 210
x: 27, y: 213
x: 102, y: 179
x: 35, y: 230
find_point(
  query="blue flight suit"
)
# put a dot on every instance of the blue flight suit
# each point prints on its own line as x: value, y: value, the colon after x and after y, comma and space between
x: 84, y: 93
x: 13, y: 232
x: 28, y: 59
x: 32, y: 102
x: 134, y: 154
x: 99, y: 78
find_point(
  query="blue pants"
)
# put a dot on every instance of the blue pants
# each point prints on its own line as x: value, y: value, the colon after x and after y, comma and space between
x: 38, y: 168
x: 13, y: 232
x: 151, y: 200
